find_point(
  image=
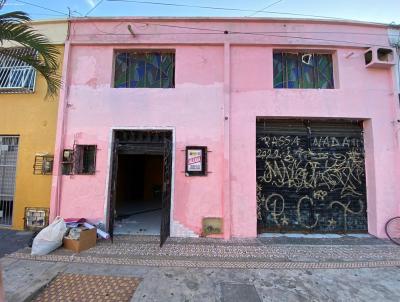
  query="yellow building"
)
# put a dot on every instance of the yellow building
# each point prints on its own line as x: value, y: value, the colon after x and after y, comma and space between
x: 27, y: 135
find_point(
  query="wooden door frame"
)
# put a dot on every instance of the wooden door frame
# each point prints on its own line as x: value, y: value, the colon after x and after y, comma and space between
x: 108, y: 187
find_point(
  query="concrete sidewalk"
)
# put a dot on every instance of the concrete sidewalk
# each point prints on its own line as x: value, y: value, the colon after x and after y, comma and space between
x: 213, y: 270
x: 24, y: 277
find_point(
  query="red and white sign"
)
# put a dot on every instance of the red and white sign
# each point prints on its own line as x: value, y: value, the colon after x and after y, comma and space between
x: 194, y: 160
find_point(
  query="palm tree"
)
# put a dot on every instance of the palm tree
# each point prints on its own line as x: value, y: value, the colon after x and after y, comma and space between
x: 15, y: 27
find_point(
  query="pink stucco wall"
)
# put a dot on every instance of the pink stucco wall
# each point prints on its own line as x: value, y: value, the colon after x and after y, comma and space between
x: 223, y: 82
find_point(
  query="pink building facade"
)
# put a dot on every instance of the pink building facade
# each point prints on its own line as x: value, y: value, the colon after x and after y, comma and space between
x: 225, y: 98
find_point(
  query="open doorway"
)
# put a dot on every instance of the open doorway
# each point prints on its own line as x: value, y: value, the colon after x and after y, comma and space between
x: 140, y: 183
x: 138, y: 194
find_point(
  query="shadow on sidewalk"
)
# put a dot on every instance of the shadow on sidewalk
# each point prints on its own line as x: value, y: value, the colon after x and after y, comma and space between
x: 11, y: 241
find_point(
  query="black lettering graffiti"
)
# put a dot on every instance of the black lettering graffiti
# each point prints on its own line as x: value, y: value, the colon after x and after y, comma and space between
x: 311, y: 183
x: 279, y: 141
x: 332, y: 141
x: 305, y: 169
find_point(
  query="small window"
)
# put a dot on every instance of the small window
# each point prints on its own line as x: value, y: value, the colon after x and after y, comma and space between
x: 144, y: 70
x: 85, y: 159
x: 303, y: 70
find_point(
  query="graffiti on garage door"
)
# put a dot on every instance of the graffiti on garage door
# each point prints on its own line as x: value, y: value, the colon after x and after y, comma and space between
x: 313, y: 180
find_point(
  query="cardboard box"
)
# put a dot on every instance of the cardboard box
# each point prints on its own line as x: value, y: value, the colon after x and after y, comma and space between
x: 86, y: 241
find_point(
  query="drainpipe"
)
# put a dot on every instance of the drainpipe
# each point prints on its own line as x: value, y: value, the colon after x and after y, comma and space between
x: 55, y: 196
x: 394, y: 41
x: 226, y: 189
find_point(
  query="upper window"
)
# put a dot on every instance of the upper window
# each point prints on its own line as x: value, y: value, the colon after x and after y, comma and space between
x: 16, y: 76
x: 303, y: 70
x: 144, y: 70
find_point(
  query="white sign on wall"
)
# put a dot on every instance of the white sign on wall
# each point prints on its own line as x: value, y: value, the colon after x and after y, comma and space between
x: 194, y: 158
x: 196, y: 161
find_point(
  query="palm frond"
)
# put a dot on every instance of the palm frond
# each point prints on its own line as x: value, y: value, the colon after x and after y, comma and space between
x: 15, y: 17
x: 14, y: 27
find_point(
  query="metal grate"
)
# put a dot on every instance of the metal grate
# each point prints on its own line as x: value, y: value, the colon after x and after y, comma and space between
x: 36, y: 218
x: 85, y: 159
x: 17, y: 76
x: 43, y: 164
x: 8, y: 167
x: 311, y: 176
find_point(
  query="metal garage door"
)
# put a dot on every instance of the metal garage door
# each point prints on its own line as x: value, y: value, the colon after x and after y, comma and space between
x: 310, y: 176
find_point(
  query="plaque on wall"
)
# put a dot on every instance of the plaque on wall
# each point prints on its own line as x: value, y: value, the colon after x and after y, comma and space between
x: 196, y: 161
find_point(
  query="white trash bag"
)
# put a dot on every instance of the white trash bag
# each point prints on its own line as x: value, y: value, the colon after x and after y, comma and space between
x: 50, y: 238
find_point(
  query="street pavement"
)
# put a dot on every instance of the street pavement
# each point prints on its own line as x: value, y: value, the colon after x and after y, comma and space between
x: 25, y: 277
x: 11, y: 241
x: 347, y: 269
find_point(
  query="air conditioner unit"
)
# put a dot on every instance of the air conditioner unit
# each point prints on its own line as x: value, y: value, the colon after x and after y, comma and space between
x: 379, y: 57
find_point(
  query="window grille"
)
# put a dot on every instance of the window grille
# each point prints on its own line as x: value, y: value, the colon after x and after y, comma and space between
x: 144, y: 70
x: 303, y: 70
x: 8, y: 169
x: 85, y: 159
x: 43, y: 164
x: 36, y: 218
x: 17, y: 76
x: 67, y: 162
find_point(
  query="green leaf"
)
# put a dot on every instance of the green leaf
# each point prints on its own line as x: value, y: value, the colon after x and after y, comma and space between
x: 15, y: 27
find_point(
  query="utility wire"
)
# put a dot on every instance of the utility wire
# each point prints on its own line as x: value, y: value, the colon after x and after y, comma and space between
x: 223, y: 8
x: 94, y: 7
x: 50, y: 15
x: 218, y: 33
x: 224, y: 32
x: 263, y: 9
x: 42, y: 7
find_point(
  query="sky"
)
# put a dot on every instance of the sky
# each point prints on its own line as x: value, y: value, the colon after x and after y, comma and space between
x: 382, y: 11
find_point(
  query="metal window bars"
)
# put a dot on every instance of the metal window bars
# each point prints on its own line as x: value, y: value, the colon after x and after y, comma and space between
x: 16, y: 76
x: 85, y: 159
x: 43, y: 164
x: 8, y: 167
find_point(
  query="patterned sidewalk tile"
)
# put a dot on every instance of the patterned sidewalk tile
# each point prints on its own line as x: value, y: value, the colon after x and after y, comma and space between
x: 210, y: 264
x: 88, y: 288
x: 204, y: 252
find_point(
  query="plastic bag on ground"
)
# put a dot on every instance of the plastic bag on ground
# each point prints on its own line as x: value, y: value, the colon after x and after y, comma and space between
x: 50, y: 238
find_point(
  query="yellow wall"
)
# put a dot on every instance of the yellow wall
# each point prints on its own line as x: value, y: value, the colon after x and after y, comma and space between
x: 33, y: 118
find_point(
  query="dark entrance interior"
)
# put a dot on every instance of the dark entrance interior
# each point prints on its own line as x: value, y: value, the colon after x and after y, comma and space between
x: 138, y: 196
x: 141, y: 183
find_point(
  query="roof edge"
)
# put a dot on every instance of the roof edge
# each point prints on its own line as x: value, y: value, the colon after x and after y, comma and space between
x: 49, y: 21
x: 235, y: 19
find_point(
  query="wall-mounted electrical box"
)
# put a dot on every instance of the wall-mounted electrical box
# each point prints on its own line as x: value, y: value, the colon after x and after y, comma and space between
x: 379, y: 57
x: 212, y: 225
x: 43, y: 164
x: 36, y: 218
